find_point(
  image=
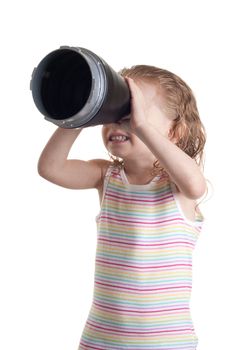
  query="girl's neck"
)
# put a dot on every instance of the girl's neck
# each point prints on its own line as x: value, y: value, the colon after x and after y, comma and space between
x: 140, y: 170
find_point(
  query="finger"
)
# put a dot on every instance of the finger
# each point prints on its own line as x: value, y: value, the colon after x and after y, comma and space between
x: 134, y: 87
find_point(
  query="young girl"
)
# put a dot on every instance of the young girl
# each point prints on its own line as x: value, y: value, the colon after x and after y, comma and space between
x: 149, y: 221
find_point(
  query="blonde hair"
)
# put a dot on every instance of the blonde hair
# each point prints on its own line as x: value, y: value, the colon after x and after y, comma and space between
x: 187, y: 131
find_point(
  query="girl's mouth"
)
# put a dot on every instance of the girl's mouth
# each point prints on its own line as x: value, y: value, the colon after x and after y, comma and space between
x: 118, y: 138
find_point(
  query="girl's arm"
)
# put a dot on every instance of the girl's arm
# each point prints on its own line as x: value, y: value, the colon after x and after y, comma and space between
x: 182, y: 169
x: 54, y: 166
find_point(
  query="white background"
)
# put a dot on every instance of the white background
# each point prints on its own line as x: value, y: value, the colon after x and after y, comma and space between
x: 48, y: 233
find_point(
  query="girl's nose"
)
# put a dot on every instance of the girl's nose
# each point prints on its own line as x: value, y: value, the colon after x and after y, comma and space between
x: 111, y: 125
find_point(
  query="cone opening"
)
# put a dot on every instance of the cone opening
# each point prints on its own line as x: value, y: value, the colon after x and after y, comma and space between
x: 65, y: 84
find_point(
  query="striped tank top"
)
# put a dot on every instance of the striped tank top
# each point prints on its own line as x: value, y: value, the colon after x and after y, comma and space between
x: 143, y: 268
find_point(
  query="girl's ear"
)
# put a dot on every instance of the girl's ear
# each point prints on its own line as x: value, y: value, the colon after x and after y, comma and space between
x: 170, y: 134
x: 172, y: 138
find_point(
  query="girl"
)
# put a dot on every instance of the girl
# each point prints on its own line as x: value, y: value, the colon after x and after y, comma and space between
x: 149, y: 221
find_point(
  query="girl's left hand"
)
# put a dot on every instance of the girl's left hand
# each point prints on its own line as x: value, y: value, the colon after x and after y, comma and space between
x: 138, y: 109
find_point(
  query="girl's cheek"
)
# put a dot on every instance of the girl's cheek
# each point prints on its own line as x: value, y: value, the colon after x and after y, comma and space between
x: 104, y: 133
x: 104, y: 141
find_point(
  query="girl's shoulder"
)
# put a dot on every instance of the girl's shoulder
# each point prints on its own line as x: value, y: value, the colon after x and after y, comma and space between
x: 105, y: 166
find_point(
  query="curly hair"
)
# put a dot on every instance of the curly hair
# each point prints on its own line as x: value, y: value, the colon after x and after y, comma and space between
x: 187, y: 130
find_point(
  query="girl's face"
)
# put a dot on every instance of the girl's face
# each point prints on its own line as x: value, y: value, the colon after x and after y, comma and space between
x: 120, y: 142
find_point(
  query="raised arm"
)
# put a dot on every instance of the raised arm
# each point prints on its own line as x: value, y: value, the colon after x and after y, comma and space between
x: 54, y: 166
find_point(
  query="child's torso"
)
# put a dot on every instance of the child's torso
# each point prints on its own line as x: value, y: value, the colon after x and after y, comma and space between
x: 143, y: 269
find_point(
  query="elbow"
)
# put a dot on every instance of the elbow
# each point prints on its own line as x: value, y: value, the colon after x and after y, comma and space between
x: 40, y: 167
x: 45, y: 167
x: 197, y: 189
x: 42, y: 170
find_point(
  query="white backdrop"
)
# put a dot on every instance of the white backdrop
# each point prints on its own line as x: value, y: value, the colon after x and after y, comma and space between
x: 48, y: 233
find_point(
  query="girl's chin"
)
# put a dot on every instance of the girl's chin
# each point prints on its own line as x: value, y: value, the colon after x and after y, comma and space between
x: 117, y: 154
x: 118, y: 149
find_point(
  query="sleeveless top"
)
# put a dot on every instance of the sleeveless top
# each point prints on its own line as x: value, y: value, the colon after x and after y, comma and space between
x: 143, y: 268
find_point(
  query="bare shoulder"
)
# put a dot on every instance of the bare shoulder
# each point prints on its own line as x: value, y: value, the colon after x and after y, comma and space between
x: 104, y: 166
x: 97, y: 169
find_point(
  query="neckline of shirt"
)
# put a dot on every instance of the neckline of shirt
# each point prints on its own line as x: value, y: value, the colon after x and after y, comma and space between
x: 126, y: 181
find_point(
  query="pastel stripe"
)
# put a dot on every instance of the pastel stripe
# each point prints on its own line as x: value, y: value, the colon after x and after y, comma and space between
x: 143, y: 269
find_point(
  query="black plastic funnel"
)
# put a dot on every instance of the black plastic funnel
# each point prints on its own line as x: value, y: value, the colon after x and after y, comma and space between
x: 73, y: 87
